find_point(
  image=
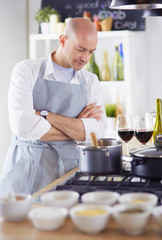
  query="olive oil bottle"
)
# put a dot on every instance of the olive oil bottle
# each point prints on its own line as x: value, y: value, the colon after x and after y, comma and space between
x: 158, y: 121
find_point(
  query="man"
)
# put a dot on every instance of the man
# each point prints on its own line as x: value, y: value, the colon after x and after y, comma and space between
x: 52, y: 103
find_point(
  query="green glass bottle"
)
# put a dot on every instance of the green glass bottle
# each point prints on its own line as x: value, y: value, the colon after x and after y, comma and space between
x: 158, y: 121
x: 93, y: 66
x: 117, y: 66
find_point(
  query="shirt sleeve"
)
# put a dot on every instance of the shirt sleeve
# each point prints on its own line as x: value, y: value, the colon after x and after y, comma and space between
x: 94, y: 95
x: 22, y: 117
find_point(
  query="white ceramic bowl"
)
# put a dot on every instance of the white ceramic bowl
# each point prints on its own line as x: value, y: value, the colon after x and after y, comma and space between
x: 100, y: 197
x: 132, y: 223
x: 48, y: 218
x: 89, y: 223
x: 63, y: 198
x: 157, y: 216
x: 17, y: 210
x: 139, y: 198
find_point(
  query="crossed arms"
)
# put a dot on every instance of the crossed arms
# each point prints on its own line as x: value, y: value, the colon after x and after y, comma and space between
x: 66, y: 128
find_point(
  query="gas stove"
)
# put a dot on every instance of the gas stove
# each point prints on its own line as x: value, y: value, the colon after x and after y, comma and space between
x: 122, y: 183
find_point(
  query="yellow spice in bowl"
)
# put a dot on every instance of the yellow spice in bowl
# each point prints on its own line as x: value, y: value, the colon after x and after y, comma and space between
x: 91, y: 212
x: 138, y: 201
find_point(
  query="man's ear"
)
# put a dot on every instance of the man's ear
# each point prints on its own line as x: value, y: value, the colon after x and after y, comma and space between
x: 62, y: 39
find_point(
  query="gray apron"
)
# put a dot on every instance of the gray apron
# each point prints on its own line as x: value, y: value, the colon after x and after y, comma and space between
x: 31, y: 165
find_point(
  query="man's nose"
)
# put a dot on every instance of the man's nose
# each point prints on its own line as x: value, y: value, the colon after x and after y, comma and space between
x: 85, y: 57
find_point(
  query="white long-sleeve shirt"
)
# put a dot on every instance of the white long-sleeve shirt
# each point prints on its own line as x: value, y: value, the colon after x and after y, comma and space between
x: 23, y: 120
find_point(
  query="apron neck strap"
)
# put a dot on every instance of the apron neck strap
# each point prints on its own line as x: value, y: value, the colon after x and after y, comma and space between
x: 42, y: 68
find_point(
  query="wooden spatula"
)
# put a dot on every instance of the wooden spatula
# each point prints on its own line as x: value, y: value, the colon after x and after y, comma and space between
x: 94, y: 139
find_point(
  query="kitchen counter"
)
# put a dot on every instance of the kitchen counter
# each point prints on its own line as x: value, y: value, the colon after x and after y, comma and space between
x: 25, y: 230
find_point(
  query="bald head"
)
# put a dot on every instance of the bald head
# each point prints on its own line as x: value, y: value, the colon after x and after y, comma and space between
x: 77, y: 44
x: 77, y: 26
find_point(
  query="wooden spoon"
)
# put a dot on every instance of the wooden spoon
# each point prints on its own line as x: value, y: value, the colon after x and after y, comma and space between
x: 94, y: 139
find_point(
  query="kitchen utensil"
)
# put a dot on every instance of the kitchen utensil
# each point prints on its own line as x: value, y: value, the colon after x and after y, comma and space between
x: 94, y: 139
x: 103, y: 160
x: 11, y: 196
x: 147, y: 161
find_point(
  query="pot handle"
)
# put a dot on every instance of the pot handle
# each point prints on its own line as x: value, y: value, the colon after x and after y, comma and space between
x: 126, y: 158
x: 135, y: 160
x: 106, y: 152
x: 158, y: 142
x: 82, y: 153
x: 138, y: 161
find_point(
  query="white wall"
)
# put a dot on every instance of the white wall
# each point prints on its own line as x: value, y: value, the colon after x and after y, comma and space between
x: 154, y: 59
x: 13, y: 42
x: 14, y: 31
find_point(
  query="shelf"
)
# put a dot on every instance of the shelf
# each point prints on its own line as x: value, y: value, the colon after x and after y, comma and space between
x: 44, y: 36
x: 113, y: 34
x: 115, y: 83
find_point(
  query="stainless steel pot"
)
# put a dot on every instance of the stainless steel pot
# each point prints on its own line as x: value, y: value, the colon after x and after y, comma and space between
x: 106, y: 159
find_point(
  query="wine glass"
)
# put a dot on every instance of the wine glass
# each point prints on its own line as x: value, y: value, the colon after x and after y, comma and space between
x: 124, y: 127
x: 143, y: 129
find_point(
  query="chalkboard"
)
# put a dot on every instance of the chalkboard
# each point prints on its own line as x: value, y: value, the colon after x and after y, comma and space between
x: 122, y: 19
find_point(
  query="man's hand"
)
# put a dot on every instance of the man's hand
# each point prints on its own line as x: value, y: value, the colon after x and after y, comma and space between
x: 91, y: 111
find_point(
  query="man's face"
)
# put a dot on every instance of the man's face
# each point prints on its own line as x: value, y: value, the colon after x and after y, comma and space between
x: 78, y: 50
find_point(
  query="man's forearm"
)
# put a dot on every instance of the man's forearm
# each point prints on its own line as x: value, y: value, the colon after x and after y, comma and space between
x: 65, y: 128
x: 54, y: 135
x: 72, y: 127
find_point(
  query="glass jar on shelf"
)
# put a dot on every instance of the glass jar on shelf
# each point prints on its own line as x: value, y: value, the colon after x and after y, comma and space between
x: 87, y: 15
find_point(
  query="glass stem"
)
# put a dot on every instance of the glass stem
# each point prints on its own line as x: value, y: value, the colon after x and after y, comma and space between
x: 127, y: 148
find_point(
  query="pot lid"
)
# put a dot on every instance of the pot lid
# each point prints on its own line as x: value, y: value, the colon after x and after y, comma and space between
x: 147, y: 151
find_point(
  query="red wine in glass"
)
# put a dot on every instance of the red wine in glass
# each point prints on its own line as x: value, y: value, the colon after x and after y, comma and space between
x: 124, y: 127
x: 143, y: 136
x: 143, y: 129
x: 125, y: 134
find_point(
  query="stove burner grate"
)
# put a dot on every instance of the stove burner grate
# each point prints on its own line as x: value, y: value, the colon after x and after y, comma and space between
x: 122, y: 183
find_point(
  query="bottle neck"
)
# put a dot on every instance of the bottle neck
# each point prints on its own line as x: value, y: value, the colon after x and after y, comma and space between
x: 105, y: 57
x: 158, y: 106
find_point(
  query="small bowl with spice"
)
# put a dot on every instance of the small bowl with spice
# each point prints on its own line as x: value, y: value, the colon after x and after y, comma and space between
x: 131, y: 219
x: 60, y: 198
x: 90, y: 218
x: 139, y: 199
x: 15, y: 206
x: 100, y: 197
x: 157, y: 216
x: 48, y: 218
